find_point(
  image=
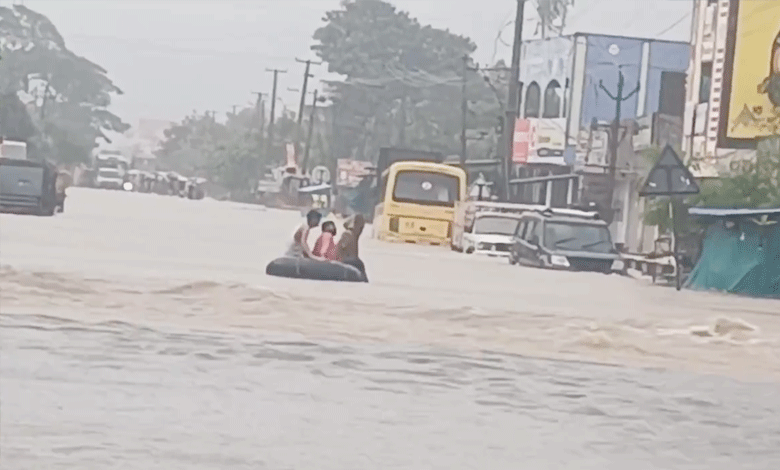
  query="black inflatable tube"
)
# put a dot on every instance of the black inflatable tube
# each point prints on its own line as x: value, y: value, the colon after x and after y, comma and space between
x: 304, y: 268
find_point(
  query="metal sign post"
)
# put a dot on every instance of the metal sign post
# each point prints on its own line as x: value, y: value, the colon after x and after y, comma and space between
x: 670, y: 177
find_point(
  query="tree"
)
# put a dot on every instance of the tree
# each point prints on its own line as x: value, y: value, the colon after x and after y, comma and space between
x: 756, y: 185
x: 67, y: 95
x: 402, y: 82
x: 227, y: 153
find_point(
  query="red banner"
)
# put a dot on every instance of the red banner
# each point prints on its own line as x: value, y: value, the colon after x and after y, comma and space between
x: 523, y: 137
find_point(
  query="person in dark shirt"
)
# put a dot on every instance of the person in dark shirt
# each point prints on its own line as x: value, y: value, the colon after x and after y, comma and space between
x: 348, y: 245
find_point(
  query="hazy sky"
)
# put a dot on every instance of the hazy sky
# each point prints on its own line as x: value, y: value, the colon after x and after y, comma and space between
x: 173, y: 56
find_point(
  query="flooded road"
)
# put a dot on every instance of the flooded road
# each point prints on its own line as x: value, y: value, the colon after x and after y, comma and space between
x: 141, y: 332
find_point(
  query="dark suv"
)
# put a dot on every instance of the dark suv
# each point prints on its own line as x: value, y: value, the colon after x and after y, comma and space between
x: 565, y: 239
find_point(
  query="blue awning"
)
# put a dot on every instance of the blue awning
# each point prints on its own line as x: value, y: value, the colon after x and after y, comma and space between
x: 715, y: 212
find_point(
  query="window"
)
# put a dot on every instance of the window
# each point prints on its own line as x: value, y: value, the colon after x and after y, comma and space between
x: 491, y: 225
x: 521, y: 229
x: 552, y: 100
x: 577, y: 237
x: 705, y: 83
x: 108, y: 172
x: 672, y: 99
x: 529, y: 231
x: 532, y: 100
x: 423, y: 187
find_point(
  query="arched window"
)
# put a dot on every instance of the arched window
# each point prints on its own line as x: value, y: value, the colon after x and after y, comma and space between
x: 552, y: 100
x: 532, y: 100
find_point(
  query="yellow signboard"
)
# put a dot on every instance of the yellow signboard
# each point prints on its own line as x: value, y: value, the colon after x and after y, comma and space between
x: 751, y: 98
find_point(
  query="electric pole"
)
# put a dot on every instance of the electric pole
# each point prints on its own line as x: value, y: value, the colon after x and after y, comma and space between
x: 402, y: 123
x: 309, y: 134
x: 512, y: 96
x: 614, y: 138
x: 306, y: 76
x: 270, y: 142
x: 464, y: 110
x: 259, y: 115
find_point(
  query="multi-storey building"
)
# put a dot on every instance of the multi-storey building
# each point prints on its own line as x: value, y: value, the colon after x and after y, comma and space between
x: 733, y: 85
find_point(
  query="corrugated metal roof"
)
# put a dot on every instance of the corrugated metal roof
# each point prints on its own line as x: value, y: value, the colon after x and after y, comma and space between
x: 715, y: 212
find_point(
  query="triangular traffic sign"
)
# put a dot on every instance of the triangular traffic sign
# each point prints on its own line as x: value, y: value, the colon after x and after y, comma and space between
x: 669, y: 177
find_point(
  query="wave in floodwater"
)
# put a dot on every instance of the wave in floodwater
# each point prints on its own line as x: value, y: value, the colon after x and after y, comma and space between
x: 115, y: 394
x: 725, y: 343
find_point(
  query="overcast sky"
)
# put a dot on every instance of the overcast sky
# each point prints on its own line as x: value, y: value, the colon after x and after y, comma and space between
x: 173, y: 56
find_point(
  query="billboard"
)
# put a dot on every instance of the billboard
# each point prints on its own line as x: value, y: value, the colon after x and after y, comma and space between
x: 351, y: 172
x: 523, y: 136
x: 751, y: 81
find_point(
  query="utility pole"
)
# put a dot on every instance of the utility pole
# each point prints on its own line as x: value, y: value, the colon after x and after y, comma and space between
x: 614, y: 138
x: 259, y: 112
x: 402, y: 123
x: 270, y: 142
x: 464, y: 110
x: 309, y: 134
x: 306, y: 76
x: 512, y: 95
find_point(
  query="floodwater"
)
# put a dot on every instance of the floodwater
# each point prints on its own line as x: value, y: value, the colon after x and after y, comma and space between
x: 140, y: 332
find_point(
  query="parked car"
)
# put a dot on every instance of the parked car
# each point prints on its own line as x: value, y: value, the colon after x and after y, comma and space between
x: 567, y: 240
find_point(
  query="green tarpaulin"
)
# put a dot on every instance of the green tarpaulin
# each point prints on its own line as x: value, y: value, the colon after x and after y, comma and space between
x: 740, y: 253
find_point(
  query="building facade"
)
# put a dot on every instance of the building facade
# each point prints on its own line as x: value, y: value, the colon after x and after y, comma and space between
x: 569, y: 86
x: 733, y: 88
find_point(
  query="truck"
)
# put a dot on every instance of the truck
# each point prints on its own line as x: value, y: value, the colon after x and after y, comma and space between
x: 26, y: 186
x: 13, y: 149
x: 111, y: 169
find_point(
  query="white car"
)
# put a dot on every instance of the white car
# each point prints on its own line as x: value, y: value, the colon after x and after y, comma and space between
x: 109, y: 178
x: 491, y: 234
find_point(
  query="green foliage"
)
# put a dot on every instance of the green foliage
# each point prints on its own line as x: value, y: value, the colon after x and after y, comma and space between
x: 403, y: 81
x: 229, y: 153
x: 68, y: 95
x: 750, y: 186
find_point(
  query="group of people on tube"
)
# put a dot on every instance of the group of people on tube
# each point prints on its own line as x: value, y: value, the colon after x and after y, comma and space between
x: 326, y: 248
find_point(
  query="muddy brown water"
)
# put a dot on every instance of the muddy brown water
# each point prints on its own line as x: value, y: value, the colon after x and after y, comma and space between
x: 141, y: 332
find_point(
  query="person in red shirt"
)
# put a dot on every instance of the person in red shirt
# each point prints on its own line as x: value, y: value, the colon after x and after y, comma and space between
x: 325, y: 246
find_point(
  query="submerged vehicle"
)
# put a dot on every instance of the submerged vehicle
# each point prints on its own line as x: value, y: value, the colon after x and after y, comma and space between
x: 486, y: 227
x: 490, y: 234
x: 565, y: 239
x: 109, y: 178
x: 28, y: 187
x: 418, y: 202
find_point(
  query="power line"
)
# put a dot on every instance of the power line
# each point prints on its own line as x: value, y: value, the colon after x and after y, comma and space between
x: 674, y: 24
